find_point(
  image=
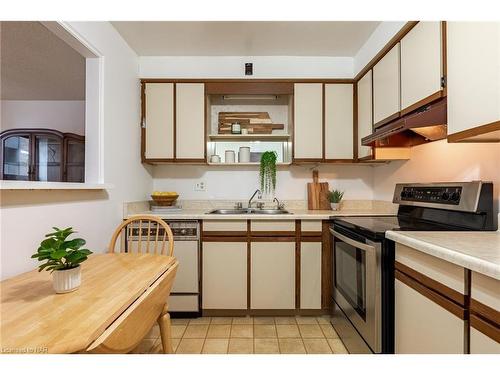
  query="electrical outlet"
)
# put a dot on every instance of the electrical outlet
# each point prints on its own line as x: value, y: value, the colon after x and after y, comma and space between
x: 200, y: 186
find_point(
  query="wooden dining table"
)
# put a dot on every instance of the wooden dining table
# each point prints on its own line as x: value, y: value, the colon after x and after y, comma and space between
x: 34, y: 319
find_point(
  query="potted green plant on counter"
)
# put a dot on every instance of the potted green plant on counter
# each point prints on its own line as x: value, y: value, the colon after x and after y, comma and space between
x: 62, y: 257
x: 335, y: 196
x: 268, y: 172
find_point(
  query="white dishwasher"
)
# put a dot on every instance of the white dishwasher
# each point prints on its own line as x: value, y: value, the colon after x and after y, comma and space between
x: 184, y: 300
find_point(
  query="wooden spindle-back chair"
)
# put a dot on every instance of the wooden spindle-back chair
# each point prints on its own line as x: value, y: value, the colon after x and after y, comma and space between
x: 131, y: 238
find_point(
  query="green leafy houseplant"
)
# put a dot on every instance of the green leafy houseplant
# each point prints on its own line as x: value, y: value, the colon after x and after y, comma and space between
x: 335, y: 196
x: 59, y: 253
x: 268, y: 171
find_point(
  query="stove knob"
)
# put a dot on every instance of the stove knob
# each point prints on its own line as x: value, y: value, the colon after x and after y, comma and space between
x: 183, y: 231
x: 455, y: 197
x: 403, y: 194
x: 445, y: 196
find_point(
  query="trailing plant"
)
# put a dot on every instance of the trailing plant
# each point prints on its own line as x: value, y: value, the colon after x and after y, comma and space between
x: 58, y: 253
x: 335, y: 196
x: 268, y: 171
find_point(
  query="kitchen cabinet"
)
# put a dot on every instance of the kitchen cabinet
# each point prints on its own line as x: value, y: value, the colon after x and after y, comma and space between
x: 42, y: 155
x: 272, y: 275
x: 484, y: 315
x: 190, y: 121
x: 429, y: 304
x: 339, y: 143
x: 386, y: 87
x: 473, y: 81
x: 308, y: 121
x: 421, y: 65
x: 158, y: 121
x: 310, y: 275
x: 224, y: 275
x: 365, y: 113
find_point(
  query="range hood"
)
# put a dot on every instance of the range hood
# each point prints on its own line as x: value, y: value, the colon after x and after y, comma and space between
x: 425, y: 124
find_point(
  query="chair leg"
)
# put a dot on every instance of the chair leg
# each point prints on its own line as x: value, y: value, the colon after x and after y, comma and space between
x: 165, y: 331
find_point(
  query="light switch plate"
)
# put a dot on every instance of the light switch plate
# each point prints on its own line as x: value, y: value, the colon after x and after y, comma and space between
x: 200, y: 186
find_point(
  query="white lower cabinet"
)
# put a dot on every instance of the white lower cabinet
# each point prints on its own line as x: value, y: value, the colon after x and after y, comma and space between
x: 272, y: 275
x: 224, y: 275
x: 310, y: 275
x: 424, y: 327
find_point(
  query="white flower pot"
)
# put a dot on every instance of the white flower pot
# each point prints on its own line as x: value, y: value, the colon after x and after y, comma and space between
x: 65, y: 281
x: 335, y: 206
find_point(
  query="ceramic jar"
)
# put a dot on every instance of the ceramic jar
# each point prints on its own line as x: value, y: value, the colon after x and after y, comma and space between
x: 230, y: 156
x: 244, y: 155
x: 65, y: 281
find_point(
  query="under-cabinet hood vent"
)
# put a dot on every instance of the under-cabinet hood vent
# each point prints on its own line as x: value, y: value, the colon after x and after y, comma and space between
x: 423, y: 125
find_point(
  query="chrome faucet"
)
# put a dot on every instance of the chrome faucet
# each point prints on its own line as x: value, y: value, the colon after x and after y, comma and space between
x: 251, y: 198
x: 279, y: 205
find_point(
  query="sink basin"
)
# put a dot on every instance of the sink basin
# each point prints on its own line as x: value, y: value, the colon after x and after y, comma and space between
x: 270, y: 211
x: 247, y: 211
x: 235, y: 211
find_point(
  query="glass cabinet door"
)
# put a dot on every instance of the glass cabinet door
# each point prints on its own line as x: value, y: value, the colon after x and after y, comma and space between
x: 16, y: 158
x: 75, y: 160
x: 48, y: 158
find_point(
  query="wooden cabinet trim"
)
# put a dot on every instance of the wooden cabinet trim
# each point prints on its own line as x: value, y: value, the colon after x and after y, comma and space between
x: 437, y: 298
x: 485, y: 312
x: 224, y: 238
x: 246, y: 80
x: 464, y: 135
x: 485, y: 327
x: 427, y: 282
x: 386, y: 120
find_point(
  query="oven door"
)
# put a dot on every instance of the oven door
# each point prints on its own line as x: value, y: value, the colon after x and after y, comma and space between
x: 357, y: 285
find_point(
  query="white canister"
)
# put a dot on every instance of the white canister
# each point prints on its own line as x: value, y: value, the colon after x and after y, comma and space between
x: 229, y: 156
x: 215, y: 159
x: 244, y: 155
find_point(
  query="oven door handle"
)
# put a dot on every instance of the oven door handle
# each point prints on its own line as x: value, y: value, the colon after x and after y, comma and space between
x: 352, y: 242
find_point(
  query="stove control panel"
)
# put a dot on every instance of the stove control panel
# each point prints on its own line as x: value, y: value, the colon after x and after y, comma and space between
x: 434, y: 194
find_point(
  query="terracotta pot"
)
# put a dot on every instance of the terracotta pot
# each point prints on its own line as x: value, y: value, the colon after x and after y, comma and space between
x: 65, y: 281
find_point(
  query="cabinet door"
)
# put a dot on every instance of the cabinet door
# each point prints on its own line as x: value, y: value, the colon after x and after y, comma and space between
x: 365, y: 120
x: 48, y: 158
x: 224, y: 275
x: 159, y: 121
x: 386, y: 79
x: 272, y: 275
x: 308, y: 121
x: 16, y: 163
x: 473, y: 74
x: 421, y: 67
x: 339, y: 141
x: 310, y: 275
x: 424, y: 327
x: 190, y: 120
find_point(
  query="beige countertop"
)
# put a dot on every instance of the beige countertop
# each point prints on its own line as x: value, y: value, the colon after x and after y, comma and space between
x: 295, y: 214
x: 477, y: 251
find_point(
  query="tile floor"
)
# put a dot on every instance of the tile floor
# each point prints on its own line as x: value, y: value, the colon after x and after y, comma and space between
x: 248, y: 335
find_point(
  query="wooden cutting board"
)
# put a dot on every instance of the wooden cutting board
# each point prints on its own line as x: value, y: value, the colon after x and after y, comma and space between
x: 317, y: 194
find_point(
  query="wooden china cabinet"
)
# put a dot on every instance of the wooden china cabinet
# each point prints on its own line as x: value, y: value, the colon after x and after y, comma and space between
x: 42, y: 155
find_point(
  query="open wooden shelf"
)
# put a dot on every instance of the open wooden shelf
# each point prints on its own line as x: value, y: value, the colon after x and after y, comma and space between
x: 244, y: 164
x: 249, y: 137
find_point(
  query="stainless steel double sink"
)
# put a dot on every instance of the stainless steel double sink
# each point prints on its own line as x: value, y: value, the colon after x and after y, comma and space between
x: 249, y: 211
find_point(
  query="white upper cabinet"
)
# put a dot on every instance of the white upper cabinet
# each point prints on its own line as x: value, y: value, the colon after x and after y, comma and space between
x: 308, y: 121
x: 365, y: 122
x: 386, y: 86
x: 421, y: 63
x: 190, y: 120
x: 339, y: 121
x: 473, y: 75
x: 159, y: 121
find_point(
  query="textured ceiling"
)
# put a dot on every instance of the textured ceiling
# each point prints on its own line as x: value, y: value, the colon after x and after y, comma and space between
x: 37, y: 65
x: 329, y: 38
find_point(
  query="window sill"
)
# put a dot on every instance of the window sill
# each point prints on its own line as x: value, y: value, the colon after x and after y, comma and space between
x: 39, y: 185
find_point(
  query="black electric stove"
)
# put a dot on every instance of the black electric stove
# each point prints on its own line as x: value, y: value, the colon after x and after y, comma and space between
x: 363, y: 259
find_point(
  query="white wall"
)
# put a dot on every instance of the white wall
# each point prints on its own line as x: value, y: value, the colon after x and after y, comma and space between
x: 67, y: 116
x: 240, y: 182
x: 441, y: 161
x: 27, y: 215
x: 234, y: 67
